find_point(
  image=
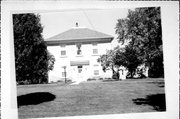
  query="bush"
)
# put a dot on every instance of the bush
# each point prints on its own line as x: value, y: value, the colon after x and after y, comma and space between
x: 156, y: 72
x: 26, y: 82
x: 95, y: 78
x: 115, y: 76
x: 91, y: 79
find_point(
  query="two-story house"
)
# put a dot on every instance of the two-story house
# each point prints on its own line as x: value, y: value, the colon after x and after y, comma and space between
x: 76, y: 52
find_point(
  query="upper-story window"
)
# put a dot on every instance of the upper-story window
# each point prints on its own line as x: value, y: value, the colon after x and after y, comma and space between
x: 63, y: 46
x: 79, y: 51
x: 95, y: 49
x: 96, y: 65
x: 94, y: 44
x: 63, y: 50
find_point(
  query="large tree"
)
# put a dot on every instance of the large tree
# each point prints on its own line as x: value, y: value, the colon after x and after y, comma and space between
x: 31, y: 57
x: 142, y: 30
x: 107, y: 62
x: 117, y: 57
x: 127, y: 57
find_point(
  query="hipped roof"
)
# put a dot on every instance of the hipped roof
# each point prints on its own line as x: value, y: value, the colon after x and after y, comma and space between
x: 79, y: 35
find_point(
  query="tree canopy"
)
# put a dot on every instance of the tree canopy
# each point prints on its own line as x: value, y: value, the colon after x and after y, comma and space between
x: 31, y: 57
x: 117, y: 57
x: 107, y: 62
x: 142, y: 30
x: 127, y: 57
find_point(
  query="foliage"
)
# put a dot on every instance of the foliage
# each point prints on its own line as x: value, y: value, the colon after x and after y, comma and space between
x: 51, y: 61
x: 142, y: 30
x: 127, y: 57
x: 106, y: 60
x: 31, y: 57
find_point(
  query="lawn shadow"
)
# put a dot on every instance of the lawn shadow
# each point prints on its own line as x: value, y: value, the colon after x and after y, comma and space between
x: 34, y: 98
x: 157, y: 101
x: 159, y: 84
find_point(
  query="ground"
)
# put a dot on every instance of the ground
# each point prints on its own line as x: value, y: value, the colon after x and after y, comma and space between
x: 91, y: 98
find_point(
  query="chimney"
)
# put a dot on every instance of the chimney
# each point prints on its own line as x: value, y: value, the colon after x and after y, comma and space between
x: 77, y: 24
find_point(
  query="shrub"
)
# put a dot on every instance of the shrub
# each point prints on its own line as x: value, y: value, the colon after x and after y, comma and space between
x: 115, y: 76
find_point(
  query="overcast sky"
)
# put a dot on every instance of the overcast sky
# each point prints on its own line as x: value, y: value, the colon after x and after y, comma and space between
x: 102, y: 20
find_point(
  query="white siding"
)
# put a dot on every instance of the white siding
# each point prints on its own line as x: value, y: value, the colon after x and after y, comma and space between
x: 71, y: 55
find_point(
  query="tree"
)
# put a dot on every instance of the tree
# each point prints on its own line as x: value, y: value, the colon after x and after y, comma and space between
x: 51, y: 61
x: 106, y: 60
x: 142, y: 29
x: 31, y: 57
x: 127, y: 57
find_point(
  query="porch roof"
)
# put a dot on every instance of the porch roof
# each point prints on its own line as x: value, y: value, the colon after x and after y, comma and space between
x: 79, y: 63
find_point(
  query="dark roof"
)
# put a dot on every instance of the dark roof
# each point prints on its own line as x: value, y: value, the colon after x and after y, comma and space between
x: 79, y: 33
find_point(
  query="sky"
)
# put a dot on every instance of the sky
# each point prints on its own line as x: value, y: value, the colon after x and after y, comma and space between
x: 102, y: 20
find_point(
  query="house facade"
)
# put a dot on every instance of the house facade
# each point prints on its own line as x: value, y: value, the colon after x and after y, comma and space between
x: 76, y: 52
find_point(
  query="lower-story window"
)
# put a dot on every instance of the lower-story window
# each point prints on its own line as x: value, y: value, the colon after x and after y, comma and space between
x: 63, y: 74
x: 95, y: 51
x: 96, y: 72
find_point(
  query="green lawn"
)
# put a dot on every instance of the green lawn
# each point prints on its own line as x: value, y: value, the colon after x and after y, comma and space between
x: 91, y: 98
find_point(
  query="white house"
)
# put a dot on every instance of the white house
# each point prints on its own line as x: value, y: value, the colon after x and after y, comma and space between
x: 76, y: 52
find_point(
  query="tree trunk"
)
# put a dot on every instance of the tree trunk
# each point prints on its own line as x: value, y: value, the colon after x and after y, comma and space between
x: 131, y: 74
x: 113, y: 69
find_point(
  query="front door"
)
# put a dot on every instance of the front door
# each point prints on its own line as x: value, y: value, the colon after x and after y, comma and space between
x: 80, y: 73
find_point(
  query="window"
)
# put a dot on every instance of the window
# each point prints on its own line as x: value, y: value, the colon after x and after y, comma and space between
x: 80, y: 66
x: 94, y: 44
x: 63, y: 74
x: 95, y: 51
x: 62, y: 46
x: 63, y: 53
x: 96, y: 72
x: 63, y: 50
x: 79, y: 69
x: 79, y: 51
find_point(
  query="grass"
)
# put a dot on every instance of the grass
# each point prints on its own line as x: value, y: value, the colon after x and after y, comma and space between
x: 91, y: 98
